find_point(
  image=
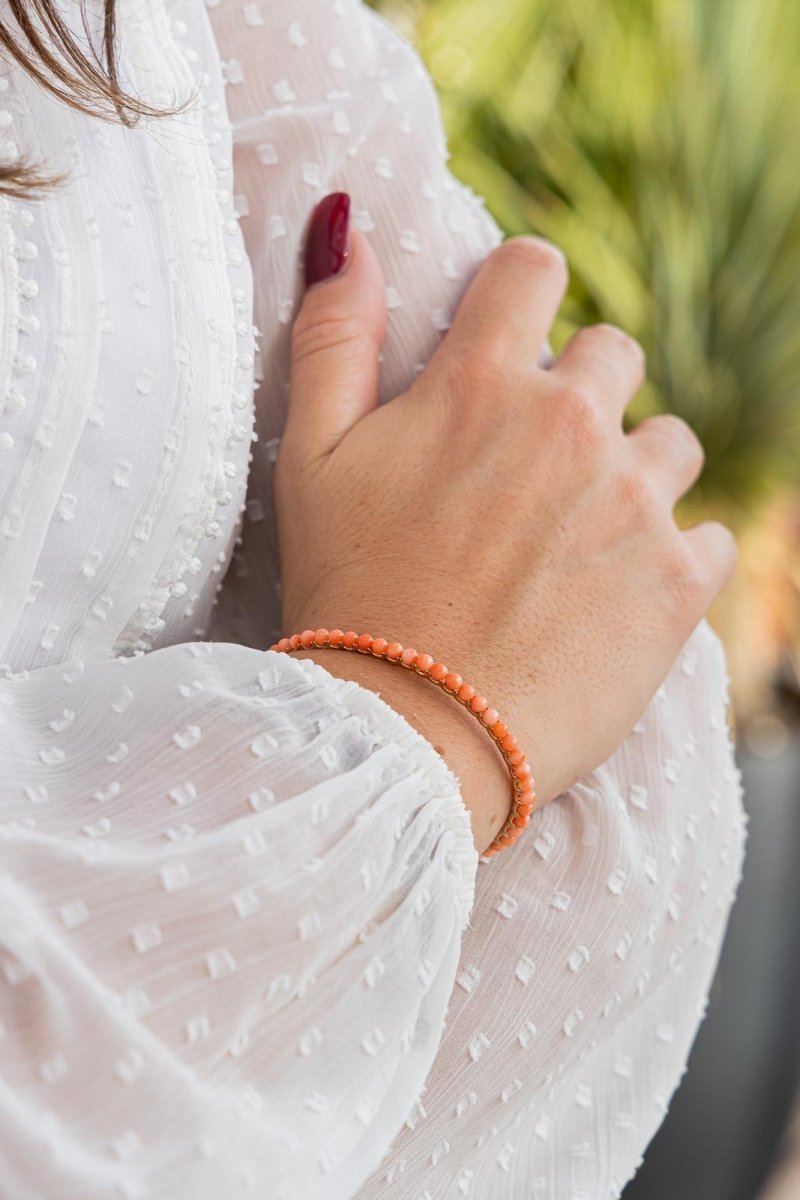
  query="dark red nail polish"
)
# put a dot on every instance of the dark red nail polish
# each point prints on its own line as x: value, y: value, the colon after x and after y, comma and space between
x: 328, y: 242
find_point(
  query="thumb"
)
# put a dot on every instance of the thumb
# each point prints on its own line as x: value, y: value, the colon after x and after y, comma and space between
x: 337, y: 334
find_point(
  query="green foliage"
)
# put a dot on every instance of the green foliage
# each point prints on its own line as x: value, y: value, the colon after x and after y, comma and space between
x: 657, y: 142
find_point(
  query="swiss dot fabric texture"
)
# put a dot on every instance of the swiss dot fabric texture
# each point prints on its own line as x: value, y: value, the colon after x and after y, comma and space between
x: 246, y: 948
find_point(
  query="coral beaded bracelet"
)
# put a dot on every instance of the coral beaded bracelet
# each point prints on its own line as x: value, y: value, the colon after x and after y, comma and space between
x: 523, y: 795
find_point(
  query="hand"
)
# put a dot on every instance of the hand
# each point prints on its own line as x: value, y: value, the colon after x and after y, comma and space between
x: 495, y: 515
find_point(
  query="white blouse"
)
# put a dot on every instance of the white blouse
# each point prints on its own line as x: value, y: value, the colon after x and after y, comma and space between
x: 246, y: 947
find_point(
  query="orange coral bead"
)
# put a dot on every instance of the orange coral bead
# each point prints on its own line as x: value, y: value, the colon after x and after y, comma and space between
x: 524, y: 796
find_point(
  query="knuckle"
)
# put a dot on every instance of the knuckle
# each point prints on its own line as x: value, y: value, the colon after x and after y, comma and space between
x: 728, y: 549
x: 636, y: 496
x: 475, y: 373
x: 537, y: 254
x: 569, y: 422
x: 621, y: 341
x: 683, y: 575
x: 315, y: 332
x: 676, y: 428
x: 490, y: 365
x: 621, y: 338
x: 580, y: 417
x: 697, y: 570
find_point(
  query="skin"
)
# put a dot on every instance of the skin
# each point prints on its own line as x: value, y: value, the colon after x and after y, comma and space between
x: 495, y: 516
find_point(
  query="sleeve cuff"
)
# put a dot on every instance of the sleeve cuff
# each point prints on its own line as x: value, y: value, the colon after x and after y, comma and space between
x: 441, y: 783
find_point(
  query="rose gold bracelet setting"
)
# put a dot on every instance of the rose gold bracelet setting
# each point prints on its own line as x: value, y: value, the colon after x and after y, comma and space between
x: 523, y: 794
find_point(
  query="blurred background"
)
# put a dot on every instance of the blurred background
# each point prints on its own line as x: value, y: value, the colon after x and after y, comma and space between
x: 658, y: 142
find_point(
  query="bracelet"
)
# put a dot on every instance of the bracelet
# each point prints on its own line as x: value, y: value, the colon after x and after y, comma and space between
x: 523, y: 796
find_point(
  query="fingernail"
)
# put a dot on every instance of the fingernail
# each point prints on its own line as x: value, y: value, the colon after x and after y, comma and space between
x: 328, y: 242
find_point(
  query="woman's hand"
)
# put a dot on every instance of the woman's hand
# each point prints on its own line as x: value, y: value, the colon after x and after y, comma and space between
x: 496, y: 516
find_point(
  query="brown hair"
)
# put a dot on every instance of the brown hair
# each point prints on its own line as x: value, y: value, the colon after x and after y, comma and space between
x: 51, y: 55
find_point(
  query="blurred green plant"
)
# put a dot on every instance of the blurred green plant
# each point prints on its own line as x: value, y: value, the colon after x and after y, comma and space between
x: 657, y: 142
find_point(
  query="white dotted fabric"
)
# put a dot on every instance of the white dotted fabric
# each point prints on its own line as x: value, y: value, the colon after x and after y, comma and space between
x: 126, y: 354
x: 234, y: 891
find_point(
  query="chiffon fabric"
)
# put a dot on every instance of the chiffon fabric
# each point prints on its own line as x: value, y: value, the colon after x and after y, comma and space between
x: 246, y: 945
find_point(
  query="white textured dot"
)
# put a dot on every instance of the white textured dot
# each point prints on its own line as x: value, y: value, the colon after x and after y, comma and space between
x: 253, y: 16
x: 297, y: 37
x: 309, y: 925
x: 478, y: 1045
x: 188, y: 737
x: 524, y: 970
x: 526, y: 1034
x: 577, y: 959
x: 182, y: 793
x: 53, y: 1068
x: 129, y: 1066
x: 198, y: 1029
x: 146, y: 937
x: 616, y: 881
x: 220, y: 963
x: 260, y: 799
x: 468, y: 978
x: 267, y: 154
x: 373, y: 1041
x: 309, y: 1042
x: 74, y: 913
x: 506, y: 906
x: 283, y: 92
x: 175, y: 876
x: 572, y: 1022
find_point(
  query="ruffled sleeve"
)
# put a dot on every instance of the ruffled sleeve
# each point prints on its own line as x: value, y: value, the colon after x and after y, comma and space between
x: 232, y: 898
